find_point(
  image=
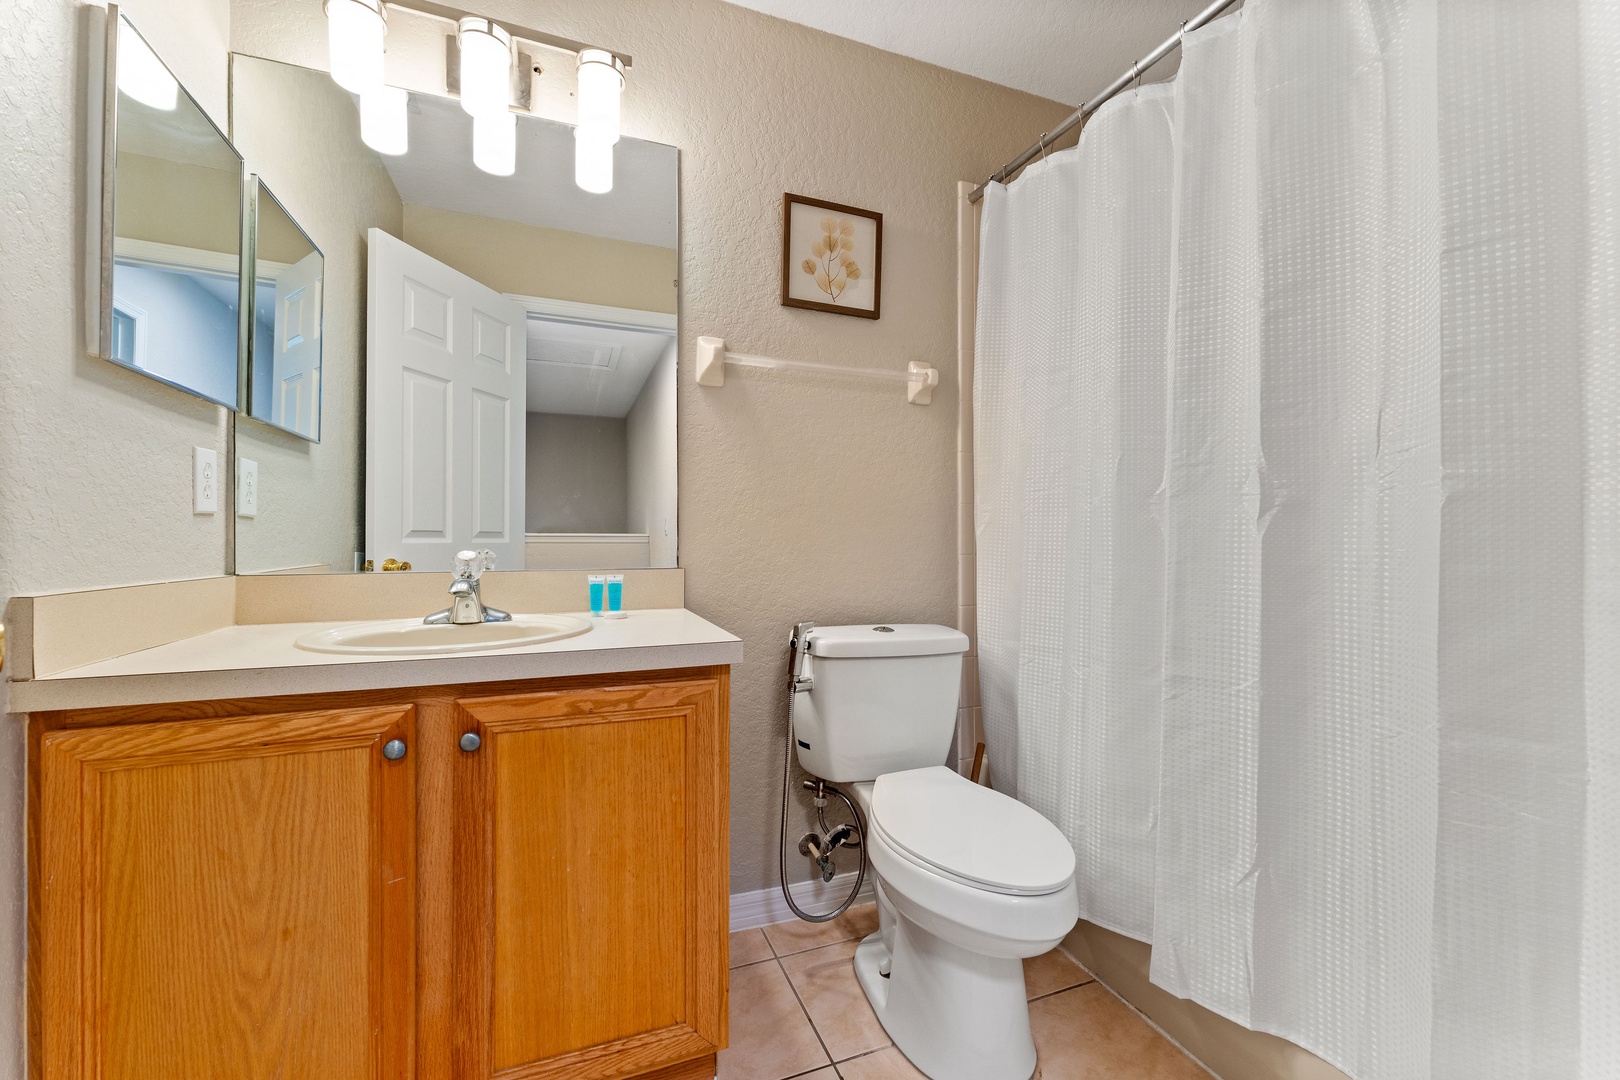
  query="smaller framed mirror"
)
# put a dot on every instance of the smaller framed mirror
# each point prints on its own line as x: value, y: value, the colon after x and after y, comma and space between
x: 284, y: 335
x: 170, y: 260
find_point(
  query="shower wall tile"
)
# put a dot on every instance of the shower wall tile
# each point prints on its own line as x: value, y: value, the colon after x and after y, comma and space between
x: 969, y: 697
x: 967, y: 621
x: 965, y: 543
x: 966, y: 577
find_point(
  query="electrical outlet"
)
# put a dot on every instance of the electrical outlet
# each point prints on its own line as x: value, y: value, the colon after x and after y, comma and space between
x: 247, y: 488
x: 204, y: 480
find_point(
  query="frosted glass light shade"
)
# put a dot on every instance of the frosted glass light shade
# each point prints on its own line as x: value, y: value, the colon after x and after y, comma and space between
x: 601, y: 81
x: 593, y: 163
x: 354, y: 43
x: 495, y: 143
x: 383, y: 120
x: 141, y: 75
x: 486, y: 66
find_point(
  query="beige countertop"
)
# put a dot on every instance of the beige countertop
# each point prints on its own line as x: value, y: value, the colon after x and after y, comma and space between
x: 260, y: 660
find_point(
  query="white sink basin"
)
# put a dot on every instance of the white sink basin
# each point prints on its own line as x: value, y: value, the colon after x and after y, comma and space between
x: 412, y: 637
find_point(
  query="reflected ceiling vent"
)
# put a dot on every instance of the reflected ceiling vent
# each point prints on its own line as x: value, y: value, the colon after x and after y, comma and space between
x: 579, y: 354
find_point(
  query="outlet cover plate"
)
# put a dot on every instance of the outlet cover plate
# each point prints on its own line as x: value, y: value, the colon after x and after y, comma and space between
x: 247, y: 487
x: 204, y: 480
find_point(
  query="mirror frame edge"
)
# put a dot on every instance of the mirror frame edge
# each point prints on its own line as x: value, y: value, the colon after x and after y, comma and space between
x: 102, y: 196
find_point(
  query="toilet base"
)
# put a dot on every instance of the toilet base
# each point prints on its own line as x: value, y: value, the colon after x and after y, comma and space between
x: 957, y: 1015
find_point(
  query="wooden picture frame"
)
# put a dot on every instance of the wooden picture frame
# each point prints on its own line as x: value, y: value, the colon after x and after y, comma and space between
x: 832, y: 257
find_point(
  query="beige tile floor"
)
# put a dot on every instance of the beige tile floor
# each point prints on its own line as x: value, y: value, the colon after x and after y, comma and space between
x: 797, y: 1011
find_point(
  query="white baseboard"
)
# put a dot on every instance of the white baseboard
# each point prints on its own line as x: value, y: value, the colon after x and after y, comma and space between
x: 766, y: 906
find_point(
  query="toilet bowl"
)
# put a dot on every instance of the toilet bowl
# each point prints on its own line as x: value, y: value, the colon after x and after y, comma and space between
x: 970, y: 882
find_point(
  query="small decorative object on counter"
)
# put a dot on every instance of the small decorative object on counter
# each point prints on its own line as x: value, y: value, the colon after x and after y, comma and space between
x: 615, y: 596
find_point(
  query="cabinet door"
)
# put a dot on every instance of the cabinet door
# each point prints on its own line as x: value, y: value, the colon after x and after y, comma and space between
x: 591, y: 882
x: 227, y: 899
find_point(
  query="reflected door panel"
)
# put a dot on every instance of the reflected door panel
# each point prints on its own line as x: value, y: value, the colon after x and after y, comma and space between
x: 289, y: 297
x: 445, y: 460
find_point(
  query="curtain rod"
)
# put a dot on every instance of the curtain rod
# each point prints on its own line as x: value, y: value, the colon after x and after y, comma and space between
x: 1086, y: 108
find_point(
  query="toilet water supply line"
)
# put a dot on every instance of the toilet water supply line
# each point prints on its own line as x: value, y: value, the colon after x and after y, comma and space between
x: 819, y: 847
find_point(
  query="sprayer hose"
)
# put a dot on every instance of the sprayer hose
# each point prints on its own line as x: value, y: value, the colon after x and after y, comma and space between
x: 781, y: 847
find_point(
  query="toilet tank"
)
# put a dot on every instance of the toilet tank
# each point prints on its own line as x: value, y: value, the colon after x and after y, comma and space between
x: 884, y: 699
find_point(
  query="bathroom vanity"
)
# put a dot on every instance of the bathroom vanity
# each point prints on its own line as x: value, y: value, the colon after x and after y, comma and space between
x: 250, y: 859
x: 457, y: 874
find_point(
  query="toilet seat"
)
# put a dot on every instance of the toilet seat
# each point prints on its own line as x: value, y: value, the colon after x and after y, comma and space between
x: 970, y: 834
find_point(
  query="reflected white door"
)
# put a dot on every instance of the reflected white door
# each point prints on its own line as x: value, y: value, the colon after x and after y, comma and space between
x: 444, y: 412
x: 296, y: 366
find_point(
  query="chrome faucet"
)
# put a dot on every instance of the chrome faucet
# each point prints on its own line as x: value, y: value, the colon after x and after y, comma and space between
x: 467, y: 607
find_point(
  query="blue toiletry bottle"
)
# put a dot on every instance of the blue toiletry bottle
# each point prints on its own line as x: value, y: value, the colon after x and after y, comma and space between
x: 615, y: 596
x: 598, y: 585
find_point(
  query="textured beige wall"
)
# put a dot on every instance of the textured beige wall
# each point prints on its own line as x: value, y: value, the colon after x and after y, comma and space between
x: 301, y: 133
x: 577, y: 474
x: 95, y: 460
x: 511, y: 257
x: 206, y: 218
x: 802, y: 497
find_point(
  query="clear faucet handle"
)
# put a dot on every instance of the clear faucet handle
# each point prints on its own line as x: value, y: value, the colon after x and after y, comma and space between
x: 469, y: 565
x: 487, y: 557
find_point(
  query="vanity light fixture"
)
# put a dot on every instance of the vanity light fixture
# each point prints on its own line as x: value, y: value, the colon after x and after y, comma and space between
x: 354, y: 43
x: 486, y: 66
x: 593, y: 163
x: 601, y: 81
x: 141, y: 75
x: 383, y: 120
x: 481, y: 74
x: 495, y: 142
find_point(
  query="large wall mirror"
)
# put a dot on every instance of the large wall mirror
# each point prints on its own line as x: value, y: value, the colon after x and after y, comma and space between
x: 170, y: 290
x: 497, y: 356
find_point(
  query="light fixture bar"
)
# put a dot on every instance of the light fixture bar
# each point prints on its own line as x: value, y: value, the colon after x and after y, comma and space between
x: 538, y: 37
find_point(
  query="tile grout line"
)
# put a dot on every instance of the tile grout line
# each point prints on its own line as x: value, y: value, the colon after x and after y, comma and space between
x: 1145, y: 1018
x: 1062, y: 990
x: 808, y: 1018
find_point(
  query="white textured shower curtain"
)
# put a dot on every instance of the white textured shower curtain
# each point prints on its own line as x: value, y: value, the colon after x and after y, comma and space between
x: 1297, y: 411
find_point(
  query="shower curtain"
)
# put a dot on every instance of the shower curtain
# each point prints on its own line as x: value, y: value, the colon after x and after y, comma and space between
x: 1297, y: 435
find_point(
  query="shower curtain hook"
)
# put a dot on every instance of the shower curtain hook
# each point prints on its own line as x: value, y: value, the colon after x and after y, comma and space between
x: 1043, y: 145
x: 1136, y: 76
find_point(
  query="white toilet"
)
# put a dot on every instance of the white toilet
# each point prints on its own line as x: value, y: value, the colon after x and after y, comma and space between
x: 969, y: 881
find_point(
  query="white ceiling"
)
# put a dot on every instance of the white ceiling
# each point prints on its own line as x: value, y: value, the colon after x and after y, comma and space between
x: 438, y: 171
x: 1061, y: 49
x: 583, y: 369
x: 183, y: 134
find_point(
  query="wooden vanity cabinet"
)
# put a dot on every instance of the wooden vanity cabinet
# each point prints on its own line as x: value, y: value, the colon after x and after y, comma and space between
x: 270, y: 889
x: 587, y: 883
x: 213, y: 898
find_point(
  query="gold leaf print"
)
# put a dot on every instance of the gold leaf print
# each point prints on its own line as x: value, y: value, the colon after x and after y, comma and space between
x: 832, y: 264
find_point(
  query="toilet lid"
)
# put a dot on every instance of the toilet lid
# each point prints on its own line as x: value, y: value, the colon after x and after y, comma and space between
x: 970, y: 832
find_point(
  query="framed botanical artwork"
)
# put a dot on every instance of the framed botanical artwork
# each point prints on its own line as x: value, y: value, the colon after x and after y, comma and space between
x: 832, y: 257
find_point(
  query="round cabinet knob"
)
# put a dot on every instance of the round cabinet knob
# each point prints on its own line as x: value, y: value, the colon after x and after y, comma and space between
x: 471, y: 741
x: 394, y: 749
